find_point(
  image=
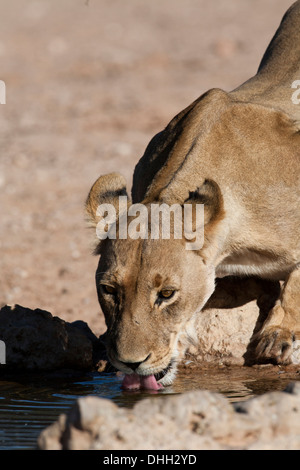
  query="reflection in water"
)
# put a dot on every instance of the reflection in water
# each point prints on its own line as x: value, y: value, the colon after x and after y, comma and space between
x: 33, y: 403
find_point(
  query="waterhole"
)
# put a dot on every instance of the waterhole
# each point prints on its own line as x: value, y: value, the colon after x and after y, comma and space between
x: 29, y: 403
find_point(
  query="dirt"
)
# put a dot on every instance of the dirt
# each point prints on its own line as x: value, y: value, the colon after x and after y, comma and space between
x: 88, y: 83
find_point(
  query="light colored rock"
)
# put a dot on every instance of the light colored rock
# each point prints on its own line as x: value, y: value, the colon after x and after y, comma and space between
x: 233, y: 314
x: 193, y: 420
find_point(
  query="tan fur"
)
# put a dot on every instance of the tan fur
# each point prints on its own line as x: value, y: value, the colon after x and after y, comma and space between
x: 239, y: 153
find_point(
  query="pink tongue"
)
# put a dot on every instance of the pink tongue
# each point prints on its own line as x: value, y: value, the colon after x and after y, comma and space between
x: 135, y: 382
x: 149, y: 382
x: 131, y: 382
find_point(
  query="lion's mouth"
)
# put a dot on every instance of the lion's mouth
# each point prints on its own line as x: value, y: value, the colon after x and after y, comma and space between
x: 147, y: 382
x: 160, y: 375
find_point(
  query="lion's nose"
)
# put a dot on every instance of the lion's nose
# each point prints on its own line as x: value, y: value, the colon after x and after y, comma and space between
x: 135, y: 365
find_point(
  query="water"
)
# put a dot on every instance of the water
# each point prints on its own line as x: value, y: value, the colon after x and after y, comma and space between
x: 32, y: 402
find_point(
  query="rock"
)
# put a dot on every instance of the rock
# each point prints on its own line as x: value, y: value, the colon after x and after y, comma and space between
x: 193, y: 420
x: 35, y: 340
x: 294, y: 388
x: 234, y: 313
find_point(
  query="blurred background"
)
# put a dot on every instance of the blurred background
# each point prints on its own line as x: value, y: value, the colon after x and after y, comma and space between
x: 88, y: 83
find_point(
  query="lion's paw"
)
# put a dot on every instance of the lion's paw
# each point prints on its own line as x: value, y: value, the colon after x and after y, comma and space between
x: 274, y: 344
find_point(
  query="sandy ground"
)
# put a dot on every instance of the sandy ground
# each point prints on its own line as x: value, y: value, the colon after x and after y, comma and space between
x: 87, y: 85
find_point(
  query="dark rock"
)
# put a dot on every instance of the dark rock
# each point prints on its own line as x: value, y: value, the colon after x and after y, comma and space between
x: 35, y: 340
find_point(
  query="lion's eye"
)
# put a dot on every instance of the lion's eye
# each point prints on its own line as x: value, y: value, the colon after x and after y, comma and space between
x: 109, y: 289
x: 166, y: 293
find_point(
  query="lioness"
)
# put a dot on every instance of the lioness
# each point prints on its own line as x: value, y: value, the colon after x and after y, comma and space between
x: 237, y: 153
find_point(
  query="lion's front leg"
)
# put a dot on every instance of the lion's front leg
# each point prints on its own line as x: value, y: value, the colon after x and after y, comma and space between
x: 274, y: 342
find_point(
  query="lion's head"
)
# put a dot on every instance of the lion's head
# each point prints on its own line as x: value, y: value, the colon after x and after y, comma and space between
x: 150, y: 290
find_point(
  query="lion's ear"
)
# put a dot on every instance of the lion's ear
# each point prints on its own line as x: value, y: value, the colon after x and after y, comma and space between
x: 208, y: 194
x: 106, y: 190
